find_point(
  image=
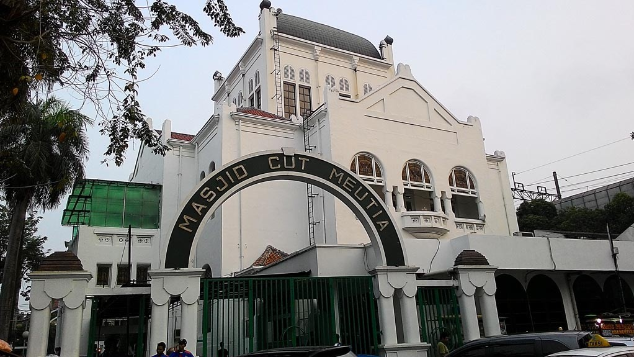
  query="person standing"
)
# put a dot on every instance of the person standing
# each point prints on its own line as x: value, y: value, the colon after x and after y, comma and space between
x: 181, y: 351
x: 443, y: 350
x: 222, y: 351
x: 160, y: 350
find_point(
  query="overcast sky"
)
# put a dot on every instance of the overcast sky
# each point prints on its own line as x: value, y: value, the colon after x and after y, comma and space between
x: 548, y: 79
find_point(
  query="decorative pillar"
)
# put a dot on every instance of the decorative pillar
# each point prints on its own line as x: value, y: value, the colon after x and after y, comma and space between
x: 388, y: 198
x: 568, y: 298
x: 437, y: 203
x: 490, y: 318
x: 448, y: 207
x: 481, y: 214
x: 400, y: 202
x: 38, y: 328
x: 469, y: 316
x: 476, y: 278
x: 402, y: 281
x: 60, y: 276
x: 175, y: 282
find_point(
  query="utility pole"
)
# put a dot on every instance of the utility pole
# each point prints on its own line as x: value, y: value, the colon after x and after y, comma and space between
x: 614, y: 252
x: 557, y: 184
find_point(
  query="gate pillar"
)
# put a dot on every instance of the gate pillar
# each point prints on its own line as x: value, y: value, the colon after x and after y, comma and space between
x: 399, y: 283
x: 184, y: 283
x: 62, y: 277
x: 476, y: 279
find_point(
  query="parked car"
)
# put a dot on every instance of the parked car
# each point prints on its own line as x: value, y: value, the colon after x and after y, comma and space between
x: 524, y: 345
x: 317, y: 351
x: 597, y: 352
x: 621, y: 341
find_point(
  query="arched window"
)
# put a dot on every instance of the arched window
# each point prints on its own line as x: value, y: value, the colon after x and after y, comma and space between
x: 367, y: 88
x: 419, y: 191
x: 304, y: 76
x: 289, y: 72
x: 257, y: 78
x: 344, y: 85
x: 240, y: 98
x: 464, y: 194
x: 330, y: 81
x: 202, y: 175
x: 234, y: 101
x: 250, y: 85
x: 212, y: 166
x: 369, y: 169
x: 461, y: 182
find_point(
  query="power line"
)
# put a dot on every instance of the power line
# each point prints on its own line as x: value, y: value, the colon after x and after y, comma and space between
x: 596, y: 179
x: 571, y: 156
x: 595, y: 185
x: 580, y: 174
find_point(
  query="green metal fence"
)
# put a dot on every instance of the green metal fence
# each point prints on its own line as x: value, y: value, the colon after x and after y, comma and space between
x: 248, y: 315
x: 438, y: 311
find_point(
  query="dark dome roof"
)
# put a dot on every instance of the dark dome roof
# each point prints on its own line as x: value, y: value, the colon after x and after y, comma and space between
x: 61, y: 261
x: 265, y: 4
x: 325, y: 35
x: 470, y: 257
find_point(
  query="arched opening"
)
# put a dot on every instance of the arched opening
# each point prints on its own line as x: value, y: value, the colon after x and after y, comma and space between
x: 618, y: 298
x: 212, y: 166
x: 512, y: 304
x: 464, y: 194
x: 546, y: 304
x: 418, y: 187
x: 275, y: 166
x: 369, y: 169
x: 202, y: 175
x: 589, y: 299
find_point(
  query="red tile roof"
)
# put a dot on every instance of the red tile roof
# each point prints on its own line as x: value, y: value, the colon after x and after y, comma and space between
x: 260, y: 113
x: 179, y: 136
x: 269, y: 256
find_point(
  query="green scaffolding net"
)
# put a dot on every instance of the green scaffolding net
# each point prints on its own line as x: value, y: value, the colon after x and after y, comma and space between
x: 113, y: 204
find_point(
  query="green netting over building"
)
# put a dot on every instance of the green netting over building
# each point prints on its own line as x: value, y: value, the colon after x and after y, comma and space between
x: 113, y: 204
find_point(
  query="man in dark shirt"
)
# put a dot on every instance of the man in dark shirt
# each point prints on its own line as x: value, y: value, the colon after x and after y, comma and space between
x: 160, y: 350
x: 222, y: 351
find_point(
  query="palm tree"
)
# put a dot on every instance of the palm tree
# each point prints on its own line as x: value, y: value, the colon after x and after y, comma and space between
x: 42, y: 153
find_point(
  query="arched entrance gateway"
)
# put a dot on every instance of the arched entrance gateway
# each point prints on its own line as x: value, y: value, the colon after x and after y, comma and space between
x: 392, y: 275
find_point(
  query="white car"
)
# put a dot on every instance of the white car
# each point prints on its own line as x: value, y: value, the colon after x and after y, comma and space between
x: 597, y: 352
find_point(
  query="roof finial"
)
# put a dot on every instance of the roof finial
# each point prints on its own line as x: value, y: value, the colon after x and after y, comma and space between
x: 389, y: 40
x: 265, y: 4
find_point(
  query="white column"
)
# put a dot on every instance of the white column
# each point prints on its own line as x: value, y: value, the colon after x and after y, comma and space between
x: 388, y: 198
x: 71, y: 331
x: 189, y: 325
x: 481, y: 214
x: 568, y: 298
x: 469, y: 316
x: 38, y: 332
x: 158, y: 325
x: 437, y: 203
x: 409, y: 318
x: 400, y: 202
x: 85, y: 329
x: 387, y: 320
x: 448, y: 207
x: 489, y: 311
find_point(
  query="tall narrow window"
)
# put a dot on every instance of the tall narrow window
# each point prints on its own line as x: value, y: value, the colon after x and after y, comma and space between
x: 344, y: 85
x: 257, y: 78
x: 103, y: 275
x: 250, y: 85
x: 258, y: 98
x: 330, y: 81
x: 212, y: 166
x: 123, y: 274
x: 304, y: 101
x: 464, y: 194
x: 252, y: 101
x: 142, y: 273
x: 367, y: 88
x: 304, y: 76
x: 290, y: 105
x: 240, y: 98
x: 418, y: 195
x: 202, y: 175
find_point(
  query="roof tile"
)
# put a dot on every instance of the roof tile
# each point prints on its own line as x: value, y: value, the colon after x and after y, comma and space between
x: 269, y: 256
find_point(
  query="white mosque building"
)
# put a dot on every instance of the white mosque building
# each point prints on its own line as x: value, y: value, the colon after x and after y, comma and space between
x: 307, y: 88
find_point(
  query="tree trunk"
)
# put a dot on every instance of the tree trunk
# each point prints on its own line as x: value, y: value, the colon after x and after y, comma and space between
x: 12, y: 266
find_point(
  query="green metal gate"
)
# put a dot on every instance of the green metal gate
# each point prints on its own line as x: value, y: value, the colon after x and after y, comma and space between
x: 252, y: 314
x: 438, y: 311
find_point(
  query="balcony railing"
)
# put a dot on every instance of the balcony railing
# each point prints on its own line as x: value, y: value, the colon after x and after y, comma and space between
x: 425, y: 224
x: 469, y: 226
